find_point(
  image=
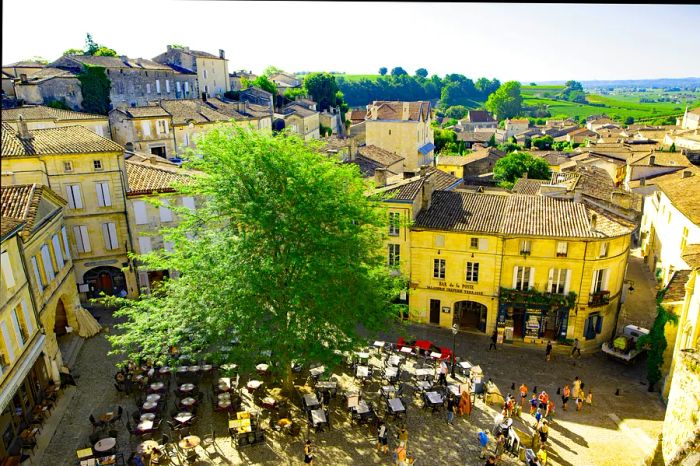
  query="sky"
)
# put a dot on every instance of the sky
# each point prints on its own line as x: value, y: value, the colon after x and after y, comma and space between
x: 524, y: 42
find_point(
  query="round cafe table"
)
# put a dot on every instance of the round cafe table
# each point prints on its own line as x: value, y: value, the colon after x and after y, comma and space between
x: 224, y: 403
x: 146, y: 447
x: 182, y: 369
x: 107, y: 417
x: 207, y: 367
x: 224, y: 396
x: 189, y: 401
x: 186, y: 387
x: 164, y: 370
x: 189, y: 442
x: 149, y: 405
x: 183, y: 417
x: 153, y: 397
x: 158, y: 386
x: 147, y: 417
x: 253, y: 384
x: 194, y: 368
x: 105, y: 444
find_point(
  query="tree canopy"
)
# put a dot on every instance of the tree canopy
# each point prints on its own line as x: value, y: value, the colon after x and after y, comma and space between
x: 398, y: 71
x: 383, y: 70
x: 262, y: 82
x: 322, y: 88
x: 506, y: 102
x: 516, y: 164
x: 286, y: 255
x: 422, y: 73
x: 92, y: 48
x: 270, y: 70
x: 95, y: 87
x: 458, y: 112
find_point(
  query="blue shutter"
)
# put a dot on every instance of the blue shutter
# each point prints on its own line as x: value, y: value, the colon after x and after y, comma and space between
x: 599, y: 325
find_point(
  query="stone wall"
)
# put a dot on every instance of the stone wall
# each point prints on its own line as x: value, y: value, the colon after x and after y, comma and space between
x: 681, y: 432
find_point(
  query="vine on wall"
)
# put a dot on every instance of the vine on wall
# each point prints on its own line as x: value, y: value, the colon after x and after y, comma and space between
x: 656, y: 342
x: 95, y: 87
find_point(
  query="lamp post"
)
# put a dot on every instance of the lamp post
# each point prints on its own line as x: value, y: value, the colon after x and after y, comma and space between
x: 455, y: 329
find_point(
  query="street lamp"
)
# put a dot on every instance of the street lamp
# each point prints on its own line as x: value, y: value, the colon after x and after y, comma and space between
x: 455, y: 329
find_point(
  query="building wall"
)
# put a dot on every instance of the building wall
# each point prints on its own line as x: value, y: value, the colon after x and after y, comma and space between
x: 217, y: 80
x: 131, y: 130
x: 454, y: 170
x: 66, y: 89
x: 137, y: 86
x: 401, y: 137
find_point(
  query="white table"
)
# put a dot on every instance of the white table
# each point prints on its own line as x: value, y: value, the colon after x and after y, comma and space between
x: 388, y: 390
x: 454, y: 389
x: 379, y: 344
x: 434, y: 397
x: 436, y: 355
x: 396, y: 405
x: 394, y: 360
x: 262, y: 367
x: 310, y: 400
x: 145, y: 425
x: 254, y: 384
x: 186, y: 387
x: 106, y: 444
x: 153, y: 397
x: 316, y: 371
x: 465, y: 365
x: 390, y: 372
x: 362, y: 407
x: 327, y: 384
x: 183, y: 417
x: 425, y: 372
x: 362, y: 371
x: 406, y: 349
x: 318, y: 416
x: 422, y: 385
x: 147, y: 417
x: 362, y: 355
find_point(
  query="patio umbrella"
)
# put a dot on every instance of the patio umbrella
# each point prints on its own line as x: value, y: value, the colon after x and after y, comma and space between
x: 87, y: 325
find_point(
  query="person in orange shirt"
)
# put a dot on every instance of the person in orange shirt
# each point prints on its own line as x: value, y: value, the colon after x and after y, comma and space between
x: 566, y: 394
x: 523, y: 394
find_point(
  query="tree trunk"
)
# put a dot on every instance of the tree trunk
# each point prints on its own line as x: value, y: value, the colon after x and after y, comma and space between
x: 288, y: 382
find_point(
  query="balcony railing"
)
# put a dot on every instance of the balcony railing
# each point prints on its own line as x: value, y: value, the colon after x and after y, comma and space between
x: 600, y: 298
x: 532, y: 296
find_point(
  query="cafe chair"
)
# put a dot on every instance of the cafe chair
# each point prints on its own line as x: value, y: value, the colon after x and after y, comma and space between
x: 95, y: 423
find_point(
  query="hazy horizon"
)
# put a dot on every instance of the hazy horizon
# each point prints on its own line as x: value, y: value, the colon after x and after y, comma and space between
x: 523, y: 42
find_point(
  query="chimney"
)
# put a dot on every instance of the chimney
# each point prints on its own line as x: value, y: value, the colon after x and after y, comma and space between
x: 594, y: 221
x: 353, y: 150
x: 423, y: 171
x: 22, y: 130
x: 686, y: 174
x: 380, y: 177
x: 525, y: 175
x: 427, y: 196
x: 222, y: 54
x: 23, y: 78
x: 643, y: 182
x: 406, y: 111
x: 652, y: 159
x: 204, y: 96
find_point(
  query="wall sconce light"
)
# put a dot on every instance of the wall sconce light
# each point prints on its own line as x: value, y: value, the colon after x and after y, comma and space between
x: 472, y: 255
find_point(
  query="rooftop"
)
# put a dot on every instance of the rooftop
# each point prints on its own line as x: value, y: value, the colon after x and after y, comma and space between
x: 691, y: 255
x: 684, y: 193
x: 528, y: 186
x: 147, y: 177
x: 397, y: 110
x: 22, y: 203
x: 675, y: 290
x: 42, y: 112
x: 379, y: 155
x: 55, y: 141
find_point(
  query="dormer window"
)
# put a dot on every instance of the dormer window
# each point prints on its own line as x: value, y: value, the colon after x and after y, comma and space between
x: 97, y: 164
x: 68, y: 167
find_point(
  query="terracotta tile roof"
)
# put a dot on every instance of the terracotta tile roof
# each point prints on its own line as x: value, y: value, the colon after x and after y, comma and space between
x: 356, y: 116
x: 21, y: 202
x: 394, y: 110
x: 184, y: 111
x: 479, y: 116
x: 484, y: 152
x: 664, y: 159
x: 145, y: 111
x: 458, y: 160
x: 50, y: 73
x: 517, y: 215
x: 684, y: 193
x: 408, y: 188
x: 41, y: 112
x: 379, y: 155
x: 113, y: 62
x: 528, y: 186
x: 8, y: 226
x: 199, y: 53
x: 299, y: 110
x: 518, y: 120
x: 145, y: 178
x: 55, y: 141
x: 691, y: 255
x: 368, y: 166
x: 25, y: 64
x: 675, y: 290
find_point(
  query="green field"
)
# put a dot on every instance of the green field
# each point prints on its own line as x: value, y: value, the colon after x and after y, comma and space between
x: 357, y: 77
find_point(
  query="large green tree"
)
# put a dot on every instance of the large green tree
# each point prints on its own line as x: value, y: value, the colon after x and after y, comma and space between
x: 322, y: 88
x: 515, y: 165
x: 286, y: 255
x: 506, y: 102
x: 92, y: 48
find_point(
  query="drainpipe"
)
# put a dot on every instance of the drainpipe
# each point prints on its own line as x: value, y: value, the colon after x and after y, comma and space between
x: 498, y: 302
x: 129, y: 246
x: 583, y: 267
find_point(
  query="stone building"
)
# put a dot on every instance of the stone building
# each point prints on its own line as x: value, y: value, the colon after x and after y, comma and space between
x: 50, y: 85
x: 13, y: 71
x: 211, y: 70
x: 257, y: 96
x: 40, y: 116
x: 300, y: 120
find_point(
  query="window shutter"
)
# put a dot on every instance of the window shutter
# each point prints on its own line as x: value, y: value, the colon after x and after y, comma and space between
x: 69, y: 197
x: 7, y: 270
x: 606, y: 274
x: 168, y: 246
x: 6, y: 337
x: 145, y: 244
x: 188, y: 202
x: 27, y: 318
x: 105, y: 236
x: 73, y: 195
x: 158, y: 86
x: 46, y: 259
x: 18, y: 331
x: 57, y: 252
x: 567, y: 283
x: 140, y: 212
x: 103, y: 196
x: 143, y: 282
x: 78, y: 198
x: 146, y: 128
x: 167, y: 86
x: 66, y: 250
x: 78, y: 239
x: 515, y: 276
x: 166, y: 126
x: 599, y: 324
x: 113, y: 234
x: 37, y: 275
x: 550, y: 281
x: 531, y: 282
x: 85, y: 238
x: 595, y: 279
x: 483, y: 244
x: 166, y: 215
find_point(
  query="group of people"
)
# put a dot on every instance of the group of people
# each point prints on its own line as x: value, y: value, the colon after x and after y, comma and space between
x: 402, y: 457
x: 578, y: 393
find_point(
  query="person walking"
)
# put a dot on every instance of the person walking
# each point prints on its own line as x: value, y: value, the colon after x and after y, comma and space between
x: 577, y: 387
x: 500, y: 445
x: 543, y: 398
x: 308, y: 453
x: 465, y: 403
x: 589, y: 398
x: 533, y: 403
x: 576, y: 348
x: 400, y: 455
x: 494, y: 339
x: 548, y: 352
x: 565, y: 395
x: 523, y: 394
x: 544, y: 431
x: 579, y: 400
x: 442, y: 378
x: 451, y: 407
x: 403, y: 436
x: 382, y: 437
x: 484, y: 442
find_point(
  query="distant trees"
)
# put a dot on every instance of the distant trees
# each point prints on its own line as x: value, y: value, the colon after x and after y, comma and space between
x: 515, y: 165
x: 507, y: 101
x: 322, y: 88
x: 262, y: 82
x: 456, y: 111
x: 92, y: 48
x: 95, y: 87
x: 383, y: 70
x: 422, y: 73
x: 573, y: 92
x: 398, y: 71
x: 543, y: 142
x: 270, y: 70
x: 629, y: 120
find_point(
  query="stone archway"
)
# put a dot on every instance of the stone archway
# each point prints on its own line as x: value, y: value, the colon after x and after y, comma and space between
x: 109, y: 280
x: 470, y: 315
x: 61, y: 319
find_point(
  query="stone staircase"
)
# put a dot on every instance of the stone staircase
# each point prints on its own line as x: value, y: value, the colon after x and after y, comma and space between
x: 70, y: 346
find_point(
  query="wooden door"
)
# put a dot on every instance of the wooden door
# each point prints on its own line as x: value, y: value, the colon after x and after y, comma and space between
x: 434, y: 311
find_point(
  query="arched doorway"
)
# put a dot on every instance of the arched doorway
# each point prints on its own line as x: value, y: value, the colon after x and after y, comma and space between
x: 111, y: 280
x: 61, y: 323
x: 470, y: 314
x: 278, y: 125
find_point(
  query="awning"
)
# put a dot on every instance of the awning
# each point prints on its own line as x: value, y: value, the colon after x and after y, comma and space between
x: 21, y: 370
x: 426, y: 148
x: 87, y: 325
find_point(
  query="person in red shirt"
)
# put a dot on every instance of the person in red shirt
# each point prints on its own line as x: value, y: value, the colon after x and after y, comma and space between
x: 543, y: 399
x: 523, y: 394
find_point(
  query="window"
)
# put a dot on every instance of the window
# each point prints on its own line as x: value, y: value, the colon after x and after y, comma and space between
x: 189, y: 203
x: 438, y: 268
x: 562, y: 248
x: 82, y: 240
x: 20, y: 328
x: 187, y: 88
x: 600, y: 281
x: 73, y: 196
x: 6, y: 338
x: 146, y: 128
x: 37, y: 275
x: 148, y: 88
x: 109, y: 233
x: 186, y: 139
x: 66, y: 250
x: 474, y: 243
x: 7, y: 274
x: 394, y: 221
x: 559, y: 281
x: 140, y: 212
x: 523, y: 278
x: 157, y: 86
x: 166, y: 215
x: 57, y: 252
x: 103, y: 197
x: 168, y: 246
x: 162, y: 126
x: 472, y: 272
x: 46, y: 261
x: 604, y: 249
x: 525, y: 246
x: 439, y: 241
x: 145, y: 244
x: 205, y: 74
x: 167, y: 86
x: 178, y: 87
x: 67, y: 167
x: 97, y: 164
x: 394, y: 255
x: 593, y: 326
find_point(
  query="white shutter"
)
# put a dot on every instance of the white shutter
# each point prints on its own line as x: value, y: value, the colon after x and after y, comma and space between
x: 177, y: 86
x: 140, y: 212
x: 187, y: 88
x: 188, y: 202
x: 6, y: 337
x: 69, y: 197
x: 27, y: 318
x: 78, y: 239
x: 166, y: 215
x: 18, y: 331
x: 73, y: 195
x: 57, y: 251
x: 168, y: 246
x: 550, y: 281
x: 167, y: 86
x: 143, y: 282
x: 85, y: 238
x: 595, y: 279
x: 531, y: 282
x: 46, y: 259
x: 166, y: 126
x: 37, y: 275
x: 567, y: 283
x: 109, y: 231
x: 99, y: 130
x: 7, y: 270
x: 483, y: 244
x: 146, y: 128
x: 103, y: 197
x: 157, y: 86
x: 606, y: 275
x: 145, y: 244
x: 65, y: 243
x: 515, y: 276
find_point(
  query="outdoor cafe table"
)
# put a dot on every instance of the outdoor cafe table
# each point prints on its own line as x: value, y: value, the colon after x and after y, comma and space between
x: 362, y: 407
x: 362, y: 371
x: 317, y: 371
x: 379, y: 344
x: 105, y: 444
x: 406, y: 349
x: 158, y: 386
x: 362, y: 355
x: 164, y: 370
x: 253, y: 384
x: 326, y: 385
x: 224, y: 404
x: 194, y: 368
x: 434, y: 398
x: 150, y: 406
x: 224, y: 384
x: 146, y: 447
x: 394, y: 360
x: 390, y: 372
x: 388, y: 390
x: 425, y: 373
x: 396, y: 405
x: 229, y: 367
x: 423, y: 385
x: 436, y: 355
x: 189, y: 401
x: 242, y: 426
x: 224, y: 396
x: 189, y: 442
x: 310, y: 401
x: 182, y: 369
x: 107, y: 417
x: 318, y: 417
x: 147, y: 417
x: 144, y: 426
x: 183, y: 417
x: 186, y: 387
x: 153, y: 397
x: 454, y: 389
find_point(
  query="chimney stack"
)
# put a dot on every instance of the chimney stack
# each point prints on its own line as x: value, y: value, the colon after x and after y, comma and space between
x: 204, y: 96
x: 380, y: 177
x: 222, y: 54
x: 23, y: 78
x: 652, y: 159
x: 686, y: 174
x: 594, y: 222
x: 22, y: 130
x: 427, y: 196
x: 643, y: 182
